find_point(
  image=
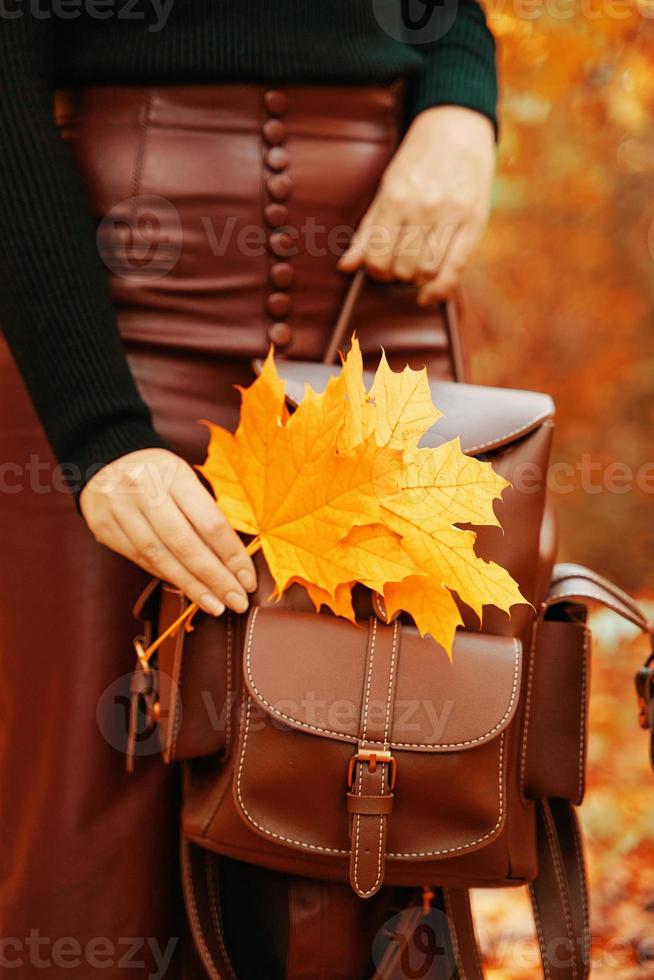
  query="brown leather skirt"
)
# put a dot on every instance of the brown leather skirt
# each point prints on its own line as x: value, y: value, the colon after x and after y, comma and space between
x: 222, y: 211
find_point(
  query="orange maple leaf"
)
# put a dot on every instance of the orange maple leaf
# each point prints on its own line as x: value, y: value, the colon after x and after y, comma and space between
x: 339, y: 492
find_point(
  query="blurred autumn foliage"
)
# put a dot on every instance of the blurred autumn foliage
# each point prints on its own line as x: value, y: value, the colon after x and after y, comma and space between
x: 561, y: 299
x: 561, y: 293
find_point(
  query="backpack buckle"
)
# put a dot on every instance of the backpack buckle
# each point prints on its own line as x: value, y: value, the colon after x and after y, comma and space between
x: 373, y: 757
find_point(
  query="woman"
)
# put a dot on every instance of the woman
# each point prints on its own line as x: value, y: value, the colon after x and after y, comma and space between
x: 226, y: 152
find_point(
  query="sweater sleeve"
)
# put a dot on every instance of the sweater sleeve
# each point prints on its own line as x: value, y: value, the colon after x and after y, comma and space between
x: 55, y: 308
x: 459, y: 67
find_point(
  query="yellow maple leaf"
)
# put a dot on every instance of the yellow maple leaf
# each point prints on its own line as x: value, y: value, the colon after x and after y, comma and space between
x: 404, y: 409
x: 290, y: 487
x: 432, y: 606
x: 339, y: 492
x: 340, y: 603
x: 398, y: 408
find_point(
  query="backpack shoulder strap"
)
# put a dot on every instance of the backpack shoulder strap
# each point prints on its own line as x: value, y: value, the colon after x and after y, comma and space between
x: 559, y: 895
x: 559, y: 900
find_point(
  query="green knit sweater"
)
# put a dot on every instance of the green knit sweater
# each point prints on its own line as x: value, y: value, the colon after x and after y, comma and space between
x: 55, y: 308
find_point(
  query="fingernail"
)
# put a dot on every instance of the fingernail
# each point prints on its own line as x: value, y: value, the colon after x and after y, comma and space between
x: 247, y: 580
x: 212, y: 605
x: 236, y: 601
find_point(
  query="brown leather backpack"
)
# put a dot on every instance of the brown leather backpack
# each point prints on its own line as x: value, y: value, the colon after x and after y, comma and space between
x: 361, y: 754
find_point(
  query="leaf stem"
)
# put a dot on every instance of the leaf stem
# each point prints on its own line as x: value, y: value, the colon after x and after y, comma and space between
x: 185, y: 618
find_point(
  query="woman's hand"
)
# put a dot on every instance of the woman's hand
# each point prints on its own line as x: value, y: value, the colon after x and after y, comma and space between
x: 150, y: 507
x: 432, y: 203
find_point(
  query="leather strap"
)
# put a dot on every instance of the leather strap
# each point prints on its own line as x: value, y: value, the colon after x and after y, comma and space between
x: 343, y: 326
x: 202, y: 897
x: 559, y: 895
x: 467, y: 957
x: 143, y: 683
x: 344, y: 318
x: 572, y: 582
x: 575, y: 583
x: 559, y: 900
x: 370, y: 805
x: 372, y: 768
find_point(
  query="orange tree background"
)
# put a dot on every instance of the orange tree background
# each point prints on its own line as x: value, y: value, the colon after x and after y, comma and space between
x: 561, y: 298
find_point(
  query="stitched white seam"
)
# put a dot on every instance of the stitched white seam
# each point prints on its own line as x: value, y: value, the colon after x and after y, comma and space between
x: 394, y: 745
x: 560, y: 880
x: 453, y: 936
x: 336, y: 850
x: 532, y: 661
x: 539, y: 930
x: 196, y: 919
x: 507, y: 435
x: 583, y: 890
x: 472, y: 843
x: 215, y: 914
x: 370, y: 891
x: 265, y: 830
x: 582, y: 715
x: 381, y: 818
x: 373, y: 641
x: 355, y: 863
x: 391, y: 678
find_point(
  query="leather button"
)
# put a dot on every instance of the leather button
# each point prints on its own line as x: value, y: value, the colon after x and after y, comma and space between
x: 282, y: 274
x: 279, y: 186
x: 276, y: 215
x: 279, y: 304
x: 276, y: 102
x: 280, y: 334
x: 281, y: 243
x: 277, y: 158
x: 274, y: 132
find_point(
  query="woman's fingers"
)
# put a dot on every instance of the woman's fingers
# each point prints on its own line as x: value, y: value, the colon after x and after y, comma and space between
x: 437, y: 185
x: 149, y: 550
x: 356, y: 253
x: 373, y: 243
x: 180, y: 539
x: 203, y: 513
x: 151, y: 507
x: 451, y: 268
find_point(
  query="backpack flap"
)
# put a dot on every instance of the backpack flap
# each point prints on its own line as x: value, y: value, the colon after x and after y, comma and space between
x: 365, y: 743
